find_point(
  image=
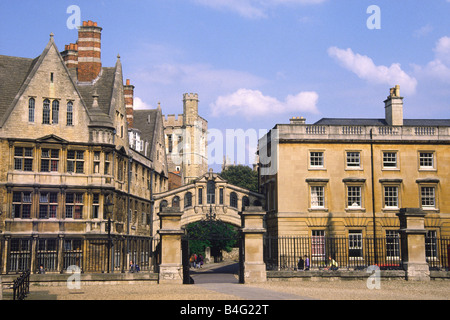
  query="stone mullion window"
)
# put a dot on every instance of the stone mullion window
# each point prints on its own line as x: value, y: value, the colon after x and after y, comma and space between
x: 75, y: 161
x: 22, y: 203
x: 31, y: 109
x: 74, y: 205
x: 23, y: 158
x: 49, y: 160
x: 48, y: 205
x: 69, y: 113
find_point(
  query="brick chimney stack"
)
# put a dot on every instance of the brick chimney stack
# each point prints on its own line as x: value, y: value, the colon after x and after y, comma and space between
x: 89, y: 51
x: 70, y: 55
x: 128, y: 92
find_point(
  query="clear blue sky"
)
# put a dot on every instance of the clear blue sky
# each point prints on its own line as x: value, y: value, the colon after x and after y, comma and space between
x: 256, y: 63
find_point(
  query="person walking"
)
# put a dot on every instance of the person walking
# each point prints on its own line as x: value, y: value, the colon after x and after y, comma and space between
x: 306, y: 262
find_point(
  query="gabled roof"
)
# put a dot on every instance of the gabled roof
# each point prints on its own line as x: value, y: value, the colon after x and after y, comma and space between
x: 13, y: 73
x: 149, y: 123
x: 16, y: 73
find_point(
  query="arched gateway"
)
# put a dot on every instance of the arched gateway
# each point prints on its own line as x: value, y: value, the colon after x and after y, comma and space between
x: 210, y: 196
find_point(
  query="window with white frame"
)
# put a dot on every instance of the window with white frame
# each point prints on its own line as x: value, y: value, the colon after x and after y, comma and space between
x: 318, y: 244
x: 390, y: 159
x: 392, y: 245
x: 354, y: 197
x: 316, y: 159
x: 353, y: 159
x: 355, y: 244
x: 391, y: 199
x: 426, y: 160
x: 317, y: 197
x: 431, y: 245
x: 428, y: 197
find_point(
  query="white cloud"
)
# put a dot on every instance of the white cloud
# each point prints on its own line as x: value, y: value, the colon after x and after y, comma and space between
x: 365, y: 68
x: 439, y: 68
x: 253, y: 9
x: 252, y: 103
x: 139, y: 104
x: 203, y: 77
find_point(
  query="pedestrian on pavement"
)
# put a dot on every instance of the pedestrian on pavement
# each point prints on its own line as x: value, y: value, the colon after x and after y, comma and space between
x: 333, y: 265
x: 306, y: 262
x: 300, y: 264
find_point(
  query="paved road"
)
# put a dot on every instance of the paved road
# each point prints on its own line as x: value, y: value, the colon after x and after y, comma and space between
x: 223, y: 278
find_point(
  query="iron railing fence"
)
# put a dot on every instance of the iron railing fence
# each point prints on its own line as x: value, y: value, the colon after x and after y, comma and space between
x: 283, y: 253
x: 437, y: 252
x: 353, y: 252
x: 21, y: 286
x: 89, y: 254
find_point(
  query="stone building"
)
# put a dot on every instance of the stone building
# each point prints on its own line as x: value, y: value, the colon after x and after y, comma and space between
x: 186, y: 141
x: 340, y: 177
x: 66, y: 151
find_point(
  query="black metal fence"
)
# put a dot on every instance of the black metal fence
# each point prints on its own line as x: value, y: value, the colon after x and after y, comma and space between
x: 21, y: 286
x: 93, y: 254
x: 351, y: 253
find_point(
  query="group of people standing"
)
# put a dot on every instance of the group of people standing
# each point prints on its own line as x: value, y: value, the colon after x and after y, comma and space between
x: 196, y: 260
x: 303, y: 264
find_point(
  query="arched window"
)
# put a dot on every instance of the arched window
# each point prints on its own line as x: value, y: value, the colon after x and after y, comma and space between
x: 46, y: 112
x: 55, y: 111
x: 245, y: 202
x: 211, y: 192
x: 233, y: 200
x: 176, y: 202
x: 31, y: 106
x: 70, y: 113
x: 163, y: 204
x: 188, y: 200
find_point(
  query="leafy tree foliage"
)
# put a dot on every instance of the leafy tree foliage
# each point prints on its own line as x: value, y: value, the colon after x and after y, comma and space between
x: 241, y: 176
x: 215, y: 234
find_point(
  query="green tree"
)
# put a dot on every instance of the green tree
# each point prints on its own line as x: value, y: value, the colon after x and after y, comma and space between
x: 241, y: 176
x: 215, y: 234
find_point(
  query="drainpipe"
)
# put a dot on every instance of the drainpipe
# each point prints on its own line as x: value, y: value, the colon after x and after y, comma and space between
x: 375, y: 246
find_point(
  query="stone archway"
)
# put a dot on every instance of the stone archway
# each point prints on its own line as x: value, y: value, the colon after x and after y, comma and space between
x: 210, y: 194
x: 253, y: 268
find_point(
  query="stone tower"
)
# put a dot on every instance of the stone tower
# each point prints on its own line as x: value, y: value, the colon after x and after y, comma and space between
x: 186, y: 140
